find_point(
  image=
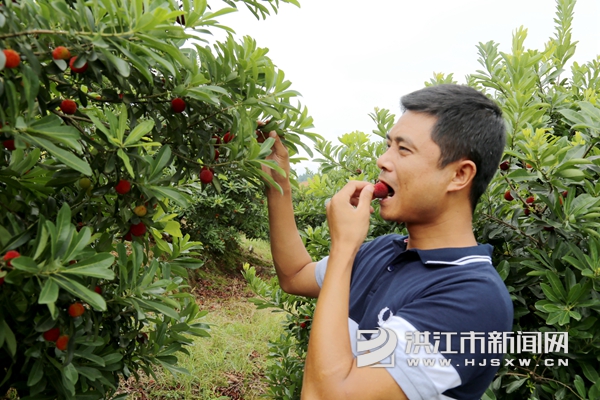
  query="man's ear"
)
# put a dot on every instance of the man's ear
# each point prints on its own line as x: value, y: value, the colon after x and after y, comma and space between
x: 464, y: 173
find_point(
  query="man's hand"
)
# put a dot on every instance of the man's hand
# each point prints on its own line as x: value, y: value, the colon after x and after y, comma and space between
x: 348, y: 214
x: 280, y: 155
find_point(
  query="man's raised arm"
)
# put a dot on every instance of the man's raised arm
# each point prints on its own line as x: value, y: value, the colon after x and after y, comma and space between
x: 294, y: 266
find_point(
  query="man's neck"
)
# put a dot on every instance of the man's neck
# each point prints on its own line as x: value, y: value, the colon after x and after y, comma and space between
x: 444, y: 233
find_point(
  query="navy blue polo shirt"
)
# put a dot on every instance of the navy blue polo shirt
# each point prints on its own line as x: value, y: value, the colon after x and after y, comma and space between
x: 441, y: 303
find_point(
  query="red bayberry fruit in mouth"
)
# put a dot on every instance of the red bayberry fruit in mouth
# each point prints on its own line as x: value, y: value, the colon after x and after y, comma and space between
x: 76, y: 310
x: 138, y: 229
x: 123, y: 186
x: 206, y: 175
x: 177, y: 105
x: 381, y: 191
x: 61, y: 53
x: 68, y: 106
x: 11, y: 254
x: 13, y: 59
x: 508, y: 196
x: 62, y: 342
x: 505, y: 165
x: 79, y: 70
x: 9, y: 144
x: 52, y: 335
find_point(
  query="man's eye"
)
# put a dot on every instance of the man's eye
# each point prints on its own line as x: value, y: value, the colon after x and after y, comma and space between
x: 402, y: 148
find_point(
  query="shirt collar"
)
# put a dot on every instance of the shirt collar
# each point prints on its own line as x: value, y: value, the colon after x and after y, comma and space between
x: 482, y: 253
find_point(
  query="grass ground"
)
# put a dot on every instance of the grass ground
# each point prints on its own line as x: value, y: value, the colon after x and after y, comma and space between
x: 230, y: 364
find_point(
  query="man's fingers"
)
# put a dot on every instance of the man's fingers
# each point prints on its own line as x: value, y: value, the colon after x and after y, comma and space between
x: 278, y: 146
x: 366, y: 195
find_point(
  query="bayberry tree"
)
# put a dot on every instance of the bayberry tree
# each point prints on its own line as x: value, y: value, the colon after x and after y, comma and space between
x: 110, y: 111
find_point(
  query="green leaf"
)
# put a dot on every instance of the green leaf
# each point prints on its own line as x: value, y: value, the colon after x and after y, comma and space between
x: 139, y: 131
x: 173, y: 228
x: 70, y: 373
x: 68, y: 158
x: 125, y: 159
x: 522, y: 175
x: 78, y: 290
x: 580, y: 386
x: 120, y: 65
x: 36, y: 373
x: 514, y: 385
x: 91, y: 373
x: 49, y: 293
x: 7, y: 337
x: 557, y: 285
x: 53, y: 129
x: 96, y: 267
x: 160, y: 161
x: 166, y: 192
x: 25, y: 264
x: 155, y: 306
x: 589, y: 372
x: 78, y: 243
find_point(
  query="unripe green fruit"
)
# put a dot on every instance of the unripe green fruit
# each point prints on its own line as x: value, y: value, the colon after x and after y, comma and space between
x: 85, y: 183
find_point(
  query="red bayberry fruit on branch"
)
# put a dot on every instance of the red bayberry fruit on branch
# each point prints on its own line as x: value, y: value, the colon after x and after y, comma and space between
x: 138, y: 229
x: 11, y: 254
x: 98, y: 289
x: 530, y: 200
x: 217, y: 139
x: 123, y: 186
x: 52, y: 335
x: 79, y: 70
x: 68, y: 106
x: 128, y: 236
x: 62, y: 342
x: 76, y: 310
x: 505, y: 165
x: 177, y: 105
x: 206, y: 175
x: 61, y: 53
x: 380, y: 191
x: 303, y: 325
x: 228, y: 137
x: 1, y: 281
x: 526, y: 210
x: 508, y: 196
x: 261, y: 136
x: 13, y: 59
x: 9, y: 144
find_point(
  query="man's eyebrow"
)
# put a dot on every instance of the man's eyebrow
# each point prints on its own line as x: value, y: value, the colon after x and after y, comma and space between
x: 400, y: 139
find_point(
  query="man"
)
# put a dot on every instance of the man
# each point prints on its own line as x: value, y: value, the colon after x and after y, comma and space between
x: 436, y: 288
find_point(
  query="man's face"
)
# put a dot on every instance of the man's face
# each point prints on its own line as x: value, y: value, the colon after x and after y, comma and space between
x: 410, y: 168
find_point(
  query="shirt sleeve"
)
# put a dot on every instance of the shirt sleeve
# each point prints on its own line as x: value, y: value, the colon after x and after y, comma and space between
x: 320, y: 271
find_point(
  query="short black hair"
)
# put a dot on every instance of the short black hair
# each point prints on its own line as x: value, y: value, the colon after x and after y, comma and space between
x: 469, y: 126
